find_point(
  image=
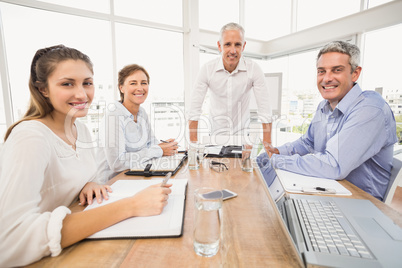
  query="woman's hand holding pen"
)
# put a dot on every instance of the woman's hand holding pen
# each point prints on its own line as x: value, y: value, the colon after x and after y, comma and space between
x: 169, y: 147
x: 150, y: 201
x: 92, y: 189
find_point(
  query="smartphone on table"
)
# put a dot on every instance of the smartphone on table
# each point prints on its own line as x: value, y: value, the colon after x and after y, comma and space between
x: 227, y: 194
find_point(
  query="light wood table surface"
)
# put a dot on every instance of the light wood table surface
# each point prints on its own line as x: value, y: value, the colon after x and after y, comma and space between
x: 252, y: 233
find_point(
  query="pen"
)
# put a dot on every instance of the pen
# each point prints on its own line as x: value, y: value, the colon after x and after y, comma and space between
x: 165, y: 180
x: 320, y: 189
x: 168, y: 142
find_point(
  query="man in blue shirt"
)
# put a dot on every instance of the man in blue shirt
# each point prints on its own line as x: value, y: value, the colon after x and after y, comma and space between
x: 352, y: 134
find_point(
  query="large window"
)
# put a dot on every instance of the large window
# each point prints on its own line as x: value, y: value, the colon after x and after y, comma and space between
x: 300, y: 95
x: 314, y: 12
x: 92, y: 5
x: 150, y: 33
x: 163, y: 58
x: 214, y: 14
x: 382, y: 69
x: 381, y: 59
x: 267, y: 19
x: 160, y: 11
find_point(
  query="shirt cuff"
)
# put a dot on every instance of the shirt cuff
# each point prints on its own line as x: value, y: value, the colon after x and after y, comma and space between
x: 156, y: 151
x: 54, y: 229
x: 265, y: 119
x: 279, y: 161
x: 283, y: 150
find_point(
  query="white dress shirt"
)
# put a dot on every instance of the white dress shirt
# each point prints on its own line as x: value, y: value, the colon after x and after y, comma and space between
x: 40, y: 175
x: 124, y: 142
x: 230, y: 95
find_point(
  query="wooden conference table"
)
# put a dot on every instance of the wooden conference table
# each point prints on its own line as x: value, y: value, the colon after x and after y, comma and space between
x: 252, y: 233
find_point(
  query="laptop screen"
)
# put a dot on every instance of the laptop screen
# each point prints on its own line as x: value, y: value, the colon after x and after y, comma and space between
x: 271, y: 179
x: 277, y: 192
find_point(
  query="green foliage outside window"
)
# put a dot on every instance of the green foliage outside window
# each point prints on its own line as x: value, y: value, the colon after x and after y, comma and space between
x: 398, y: 120
x: 303, y: 128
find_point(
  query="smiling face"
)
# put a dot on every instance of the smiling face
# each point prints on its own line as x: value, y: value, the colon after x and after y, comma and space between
x: 70, y: 88
x: 335, y: 77
x: 135, y: 89
x: 231, y: 48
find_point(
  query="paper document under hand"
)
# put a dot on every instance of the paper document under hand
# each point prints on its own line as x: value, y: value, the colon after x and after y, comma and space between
x: 296, y: 183
x: 167, y: 224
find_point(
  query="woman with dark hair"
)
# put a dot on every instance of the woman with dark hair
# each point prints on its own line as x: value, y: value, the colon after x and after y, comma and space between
x: 126, y: 135
x: 46, y: 160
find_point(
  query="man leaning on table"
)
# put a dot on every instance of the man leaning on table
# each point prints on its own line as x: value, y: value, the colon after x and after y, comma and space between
x: 352, y: 133
x: 230, y: 79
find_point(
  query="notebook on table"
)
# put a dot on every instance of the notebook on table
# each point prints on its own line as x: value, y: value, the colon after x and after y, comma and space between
x: 158, y: 166
x: 333, y: 231
x: 167, y: 224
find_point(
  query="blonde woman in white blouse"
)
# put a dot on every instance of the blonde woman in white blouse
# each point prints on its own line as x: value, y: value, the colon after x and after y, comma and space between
x: 46, y: 160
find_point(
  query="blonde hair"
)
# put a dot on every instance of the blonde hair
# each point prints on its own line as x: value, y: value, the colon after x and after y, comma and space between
x: 43, y: 64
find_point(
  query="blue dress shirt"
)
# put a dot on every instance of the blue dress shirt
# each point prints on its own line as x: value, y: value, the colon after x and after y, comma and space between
x: 123, y: 142
x: 353, y: 142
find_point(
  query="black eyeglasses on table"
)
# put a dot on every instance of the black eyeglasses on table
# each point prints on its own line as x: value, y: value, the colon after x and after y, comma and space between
x: 218, y: 166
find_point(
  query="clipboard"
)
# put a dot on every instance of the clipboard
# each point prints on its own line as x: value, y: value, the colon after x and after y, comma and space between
x: 297, y: 183
x: 229, y: 151
x: 158, y: 166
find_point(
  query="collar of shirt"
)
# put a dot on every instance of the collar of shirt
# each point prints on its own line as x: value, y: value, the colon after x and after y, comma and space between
x: 241, y: 66
x: 344, y: 105
x: 126, y: 113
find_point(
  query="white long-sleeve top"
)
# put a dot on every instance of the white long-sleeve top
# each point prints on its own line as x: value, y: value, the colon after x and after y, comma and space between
x: 124, y: 142
x: 230, y: 95
x: 40, y: 175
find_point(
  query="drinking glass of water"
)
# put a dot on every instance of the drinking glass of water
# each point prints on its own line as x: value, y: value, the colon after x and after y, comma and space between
x: 192, y: 153
x: 207, y: 228
x: 246, y: 163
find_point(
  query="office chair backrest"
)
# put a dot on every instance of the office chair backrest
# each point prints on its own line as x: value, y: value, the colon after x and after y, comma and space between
x: 396, y: 175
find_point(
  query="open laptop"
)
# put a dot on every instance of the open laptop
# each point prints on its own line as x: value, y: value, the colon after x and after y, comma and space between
x: 337, y: 232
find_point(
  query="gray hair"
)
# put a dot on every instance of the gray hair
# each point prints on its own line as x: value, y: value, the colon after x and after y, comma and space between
x: 232, y: 26
x: 345, y: 48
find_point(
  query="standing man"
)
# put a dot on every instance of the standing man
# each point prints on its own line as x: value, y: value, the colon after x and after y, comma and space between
x: 352, y: 134
x: 230, y: 79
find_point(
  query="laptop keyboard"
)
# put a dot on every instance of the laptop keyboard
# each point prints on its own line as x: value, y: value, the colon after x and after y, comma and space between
x: 328, y: 230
